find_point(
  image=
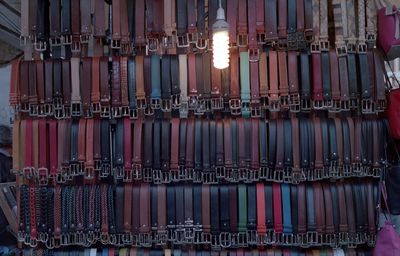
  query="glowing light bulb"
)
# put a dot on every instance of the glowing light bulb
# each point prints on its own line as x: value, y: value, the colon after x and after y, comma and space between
x: 220, y: 41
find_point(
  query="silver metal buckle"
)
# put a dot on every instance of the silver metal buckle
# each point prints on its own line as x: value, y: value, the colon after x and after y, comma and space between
x: 152, y: 44
x: 274, y: 105
x: 126, y: 47
x: 335, y: 107
x: 343, y: 238
x: 192, y: 37
x: 43, y: 176
x: 75, y: 46
x: 217, y: 103
x: 84, y: 38
x: 66, y: 39
x: 309, y: 35
x: 166, y: 105
x: 380, y: 105
x: 105, y: 170
x: 318, y: 104
x: 145, y: 239
x: 225, y: 239
x: 149, y: 111
x: 242, y: 239
x: 367, y: 106
x: 341, y: 50
x: 40, y: 46
x: 125, y: 111
x: 235, y: 106
x: 157, y: 177
x: 184, y: 110
x: 209, y: 177
x: 288, y: 239
x: 162, y: 237
x: 104, y: 238
x: 292, y: 41
x: 201, y: 43
x: 315, y: 47
x: 115, y: 43
x: 179, y: 235
x: 246, y: 109
x: 282, y: 43
x: 136, y: 171
x: 76, y: 109
x: 294, y: 102
x: 345, y: 105
x: 182, y: 41
x: 254, y: 54
x: 278, y: 175
x: 197, y: 231
x: 205, y: 238
x: 128, y: 175
x: 141, y: 103
x: 261, y: 37
x: 155, y: 103
x: 116, y: 112
x: 176, y: 101
x: 255, y: 111
x: 312, y: 237
x: 133, y: 113
x: 28, y: 172
x: 33, y: 110
x: 232, y: 175
x: 252, y: 237
x: 147, y: 174
x: 324, y: 44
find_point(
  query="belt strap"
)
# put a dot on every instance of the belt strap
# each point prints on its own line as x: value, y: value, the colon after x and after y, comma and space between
x: 286, y: 209
x: 242, y: 205
x: 198, y: 145
x: 269, y: 204
x: 343, y: 219
x: 274, y: 92
x: 305, y: 81
x: 302, y: 217
x: 351, y: 218
x: 278, y: 214
x: 319, y: 209
x: 183, y: 83
x: 182, y: 143
x: 205, y: 210
x: 244, y: 83
x: 156, y: 145
x: 155, y: 81
x: 271, y: 21
x: 233, y: 209
x: 205, y: 134
x: 251, y: 210
x: 190, y: 144
x: 171, y: 211
x: 261, y: 218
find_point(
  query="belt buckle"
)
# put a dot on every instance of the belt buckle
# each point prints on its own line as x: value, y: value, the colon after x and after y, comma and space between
x: 21, y: 236
x: 125, y: 111
x: 215, y: 243
x: 65, y: 239
x: 128, y: 175
x: 330, y: 239
x: 182, y: 41
x: 252, y: 237
x: 90, y: 237
x: 133, y: 113
x: 59, y: 112
x: 166, y: 105
x: 264, y: 170
x: 253, y: 175
x: 343, y: 238
x: 162, y: 237
x: 347, y: 170
x: 235, y: 106
x: 309, y: 35
x: 184, y: 110
x: 352, y: 242
x: 201, y: 43
x: 188, y: 173
x: 341, y: 49
x: 55, y: 41
x: 155, y: 103
x: 76, y: 109
x: 43, y: 176
x: 40, y: 46
x: 176, y: 101
x: 188, y: 232
x: 197, y: 231
x: 24, y: 107
x: 305, y: 104
x: 294, y: 102
x: 126, y: 47
x: 179, y: 234
x: 345, y: 105
x: 33, y: 109
x: 278, y: 175
x: 192, y: 103
x: 254, y: 54
x: 324, y: 44
x: 232, y: 174
x: 242, y: 174
x: 152, y: 44
x: 147, y: 174
x: 157, y: 177
x: 288, y: 239
x: 282, y: 43
x: 84, y: 38
x: 315, y: 47
x: 274, y: 105
x: 255, y: 110
x: 367, y: 106
x: 318, y: 104
x: 361, y: 47
x: 376, y: 172
x: 149, y: 111
x: 115, y: 43
x: 79, y: 237
x: 141, y: 103
x: 380, y: 105
x: 242, y: 239
x: 371, y: 240
x: 217, y: 103
x: 51, y: 244
x: 312, y: 237
x: 201, y: 107
x: 48, y: 108
x: 116, y: 112
x: 136, y: 171
x: 175, y: 175
x: 264, y: 101
x: 75, y: 45
x: 205, y: 238
x: 105, y: 170
x: 242, y: 40
x: 145, y: 239
x: 171, y: 233
x: 246, y: 109
x: 104, y: 238
x: 335, y: 106
x: 354, y: 103
x: 198, y: 175
x: 127, y: 238
x: 292, y: 41
x: 209, y: 177
x: 43, y: 237
x: 66, y: 39
x: 169, y: 41
x: 192, y: 37
x: 28, y: 172
x: 302, y: 240
x: 66, y: 111
x: 261, y: 37
x: 220, y: 172
x: 23, y: 40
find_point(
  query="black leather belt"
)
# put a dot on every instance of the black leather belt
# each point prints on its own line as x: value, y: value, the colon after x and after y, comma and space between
x: 166, y: 68
x: 148, y: 151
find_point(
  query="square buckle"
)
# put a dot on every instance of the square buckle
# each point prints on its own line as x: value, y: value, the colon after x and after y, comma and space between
x: 76, y: 109
x: 345, y: 105
x: 105, y: 111
x: 149, y: 111
x: 115, y: 43
x: 116, y: 112
x: 335, y: 106
x: 152, y: 44
x: 312, y: 237
x: 255, y: 111
x: 294, y: 102
x: 28, y: 172
x: 254, y: 54
x: 34, y: 110
x: 284, y: 102
x: 235, y: 106
x: 125, y: 111
x: 136, y: 171
x: 145, y: 239
x: 341, y: 50
x: 274, y: 105
x: 126, y: 47
x: 220, y: 172
x: 288, y: 239
x: 282, y: 43
x: 133, y: 113
x: 147, y: 174
x: 380, y: 105
x: 141, y: 103
x: 75, y: 45
x: 362, y: 48
x: 48, y: 109
x: 367, y: 106
x: 243, y: 174
x: 324, y: 44
x: 193, y: 102
x: 261, y: 37
x: 205, y: 238
x: 309, y: 35
x: 192, y: 37
x: 315, y: 47
x: 292, y: 41
x: 128, y: 175
x: 66, y: 39
x: 209, y: 177
x: 89, y: 173
x: 217, y: 103
x: 179, y: 234
x: 55, y: 41
x: 184, y: 110
x: 197, y: 231
x: 242, y: 239
x: 162, y: 237
x: 278, y: 175
x: 105, y: 170
x: 242, y: 40
x: 43, y: 176
x: 183, y: 41
x: 252, y: 237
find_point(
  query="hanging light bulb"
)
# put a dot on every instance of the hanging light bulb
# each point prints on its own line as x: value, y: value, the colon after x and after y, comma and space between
x: 220, y: 40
